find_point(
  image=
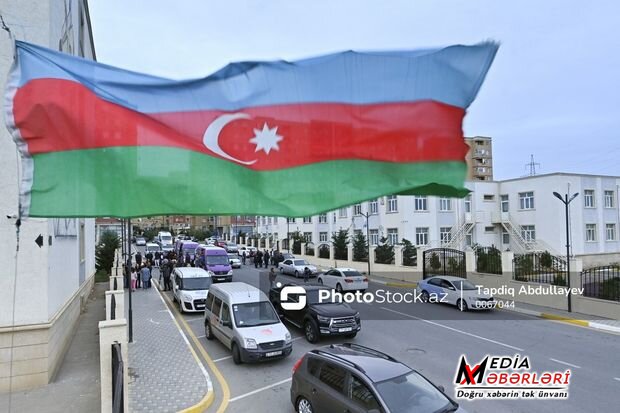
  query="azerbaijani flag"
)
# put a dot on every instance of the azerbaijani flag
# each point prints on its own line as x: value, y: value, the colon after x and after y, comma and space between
x: 255, y: 138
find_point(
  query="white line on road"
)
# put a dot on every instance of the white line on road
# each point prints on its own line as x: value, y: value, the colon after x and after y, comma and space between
x: 454, y: 329
x: 193, y: 319
x: 563, y: 362
x: 234, y: 399
x: 201, y: 336
x: 222, y: 359
x: 617, y: 378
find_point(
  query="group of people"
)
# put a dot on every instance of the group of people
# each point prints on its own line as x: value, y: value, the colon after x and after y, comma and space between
x: 262, y: 259
x: 141, y: 273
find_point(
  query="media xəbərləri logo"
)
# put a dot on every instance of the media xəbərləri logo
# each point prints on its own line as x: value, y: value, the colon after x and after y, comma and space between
x: 508, y: 377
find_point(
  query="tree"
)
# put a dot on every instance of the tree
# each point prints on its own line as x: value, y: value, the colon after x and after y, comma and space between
x: 324, y: 251
x: 199, y: 233
x: 339, y: 240
x: 360, y: 247
x: 297, y: 238
x: 410, y: 253
x: 546, y: 261
x: 104, y: 251
x: 384, y: 252
x: 149, y: 234
x: 435, y: 263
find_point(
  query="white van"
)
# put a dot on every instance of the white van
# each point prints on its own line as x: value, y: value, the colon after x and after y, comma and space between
x: 244, y: 320
x: 164, y: 238
x: 189, y: 288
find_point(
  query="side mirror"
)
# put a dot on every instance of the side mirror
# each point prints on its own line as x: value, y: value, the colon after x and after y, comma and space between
x: 441, y: 389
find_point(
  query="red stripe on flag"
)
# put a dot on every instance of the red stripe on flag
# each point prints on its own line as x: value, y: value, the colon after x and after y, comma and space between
x: 60, y: 115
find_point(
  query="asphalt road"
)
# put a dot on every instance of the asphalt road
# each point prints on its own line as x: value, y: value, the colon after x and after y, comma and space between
x: 431, y: 338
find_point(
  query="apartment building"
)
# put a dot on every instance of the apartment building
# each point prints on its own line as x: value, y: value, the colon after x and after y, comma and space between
x: 479, y: 158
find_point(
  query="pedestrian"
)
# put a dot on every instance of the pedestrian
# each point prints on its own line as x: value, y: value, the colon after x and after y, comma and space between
x: 166, y: 269
x: 243, y: 257
x: 157, y: 258
x: 138, y: 259
x: 188, y: 259
x: 134, y: 278
x: 145, y: 274
x: 266, y: 259
x: 258, y: 259
x: 272, y: 277
x: 307, y: 273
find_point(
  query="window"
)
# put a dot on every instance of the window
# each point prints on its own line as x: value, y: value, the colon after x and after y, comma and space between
x: 420, y: 203
x: 308, y: 236
x: 290, y: 220
x: 488, y: 197
x: 610, y: 232
x: 322, y: 236
x: 392, y: 235
x: 323, y: 219
x: 314, y: 366
x: 374, y: 237
x: 333, y: 376
x: 609, y: 199
x: 469, y: 240
x: 209, y: 302
x: 588, y: 198
x: 528, y: 232
x: 334, y: 217
x: 421, y: 236
x: 392, y: 203
x: 373, y: 207
x: 357, y: 209
x: 590, y: 232
x: 445, y: 234
x: 526, y: 200
x: 468, y: 203
x: 342, y: 212
x: 505, y: 237
x: 217, y: 304
x: 225, y: 314
x: 489, y: 229
x: 362, y: 396
x: 307, y: 220
x: 445, y: 204
x: 504, y: 202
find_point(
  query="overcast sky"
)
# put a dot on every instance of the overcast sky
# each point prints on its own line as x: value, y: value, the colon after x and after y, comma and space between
x: 553, y: 91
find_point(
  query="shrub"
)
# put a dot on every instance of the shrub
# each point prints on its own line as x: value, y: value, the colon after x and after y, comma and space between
x: 410, y: 253
x: 435, y: 263
x: 384, y: 252
x: 324, y: 251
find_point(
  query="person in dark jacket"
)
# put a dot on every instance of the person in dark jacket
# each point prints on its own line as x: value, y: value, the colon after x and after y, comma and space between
x: 307, y: 274
x: 266, y: 258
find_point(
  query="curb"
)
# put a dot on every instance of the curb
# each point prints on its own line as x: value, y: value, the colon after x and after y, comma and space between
x: 395, y: 284
x: 574, y: 321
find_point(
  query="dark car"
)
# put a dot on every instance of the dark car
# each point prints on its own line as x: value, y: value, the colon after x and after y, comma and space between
x: 318, y: 318
x: 352, y: 378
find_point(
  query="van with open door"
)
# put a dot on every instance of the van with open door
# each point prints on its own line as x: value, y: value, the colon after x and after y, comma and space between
x: 189, y: 288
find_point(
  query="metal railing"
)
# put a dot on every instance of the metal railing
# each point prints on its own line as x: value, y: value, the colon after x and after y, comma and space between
x: 539, y: 267
x: 488, y: 260
x: 601, y: 282
x: 117, y: 379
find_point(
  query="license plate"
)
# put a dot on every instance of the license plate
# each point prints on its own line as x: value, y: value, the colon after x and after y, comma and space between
x: 344, y: 330
x: 273, y: 353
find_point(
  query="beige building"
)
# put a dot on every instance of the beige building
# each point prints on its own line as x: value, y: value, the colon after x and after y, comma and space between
x: 479, y: 158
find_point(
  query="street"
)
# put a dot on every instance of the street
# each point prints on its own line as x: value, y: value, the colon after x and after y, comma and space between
x: 431, y: 339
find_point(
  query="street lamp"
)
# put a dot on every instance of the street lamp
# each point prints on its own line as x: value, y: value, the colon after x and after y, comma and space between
x: 288, y: 234
x: 366, y: 215
x: 566, y: 200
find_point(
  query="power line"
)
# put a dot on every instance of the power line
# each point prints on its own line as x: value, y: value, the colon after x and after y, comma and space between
x: 532, y: 166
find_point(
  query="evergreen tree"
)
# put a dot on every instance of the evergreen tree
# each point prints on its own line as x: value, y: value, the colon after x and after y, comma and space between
x: 410, y: 253
x: 339, y: 241
x: 360, y: 247
x: 384, y: 252
x: 104, y: 251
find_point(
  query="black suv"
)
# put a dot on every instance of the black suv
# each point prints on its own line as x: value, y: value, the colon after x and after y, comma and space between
x: 318, y: 318
x: 355, y: 379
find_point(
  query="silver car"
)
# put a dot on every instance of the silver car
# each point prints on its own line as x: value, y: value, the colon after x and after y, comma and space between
x: 296, y: 267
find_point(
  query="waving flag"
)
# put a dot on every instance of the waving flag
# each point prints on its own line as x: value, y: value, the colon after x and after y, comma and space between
x: 266, y: 138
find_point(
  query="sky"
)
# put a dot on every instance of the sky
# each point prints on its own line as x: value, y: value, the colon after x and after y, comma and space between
x: 552, y: 92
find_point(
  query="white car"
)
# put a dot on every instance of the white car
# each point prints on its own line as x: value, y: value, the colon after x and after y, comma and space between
x: 234, y: 260
x: 249, y: 251
x: 344, y: 279
x: 189, y: 288
x: 296, y: 267
x: 457, y: 291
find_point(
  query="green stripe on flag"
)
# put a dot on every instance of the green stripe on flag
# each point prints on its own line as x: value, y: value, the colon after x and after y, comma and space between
x: 146, y: 181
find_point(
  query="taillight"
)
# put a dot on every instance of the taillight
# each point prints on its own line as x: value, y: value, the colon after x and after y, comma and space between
x: 297, y: 364
x: 348, y: 281
x: 365, y: 280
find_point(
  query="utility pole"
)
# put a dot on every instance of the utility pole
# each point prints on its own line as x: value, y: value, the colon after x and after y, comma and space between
x: 366, y: 215
x: 532, y: 166
x: 566, y: 201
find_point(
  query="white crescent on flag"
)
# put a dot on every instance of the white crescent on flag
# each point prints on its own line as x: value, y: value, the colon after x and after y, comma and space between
x: 212, y: 135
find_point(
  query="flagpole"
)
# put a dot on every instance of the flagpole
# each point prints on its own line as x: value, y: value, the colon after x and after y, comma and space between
x: 128, y: 269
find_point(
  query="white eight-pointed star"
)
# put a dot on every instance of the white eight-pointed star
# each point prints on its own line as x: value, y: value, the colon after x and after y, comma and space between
x: 266, y: 139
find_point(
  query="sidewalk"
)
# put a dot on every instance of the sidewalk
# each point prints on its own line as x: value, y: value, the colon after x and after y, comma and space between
x: 76, y: 388
x: 165, y: 374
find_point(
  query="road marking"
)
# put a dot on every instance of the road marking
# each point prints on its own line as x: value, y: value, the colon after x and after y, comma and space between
x: 563, y: 362
x: 194, y: 319
x: 234, y: 399
x: 222, y: 359
x: 297, y: 338
x: 617, y: 378
x: 201, y: 336
x: 454, y: 329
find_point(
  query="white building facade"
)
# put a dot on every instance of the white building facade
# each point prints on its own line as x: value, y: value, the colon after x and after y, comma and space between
x: 518, y: 214
x: 51, y: 282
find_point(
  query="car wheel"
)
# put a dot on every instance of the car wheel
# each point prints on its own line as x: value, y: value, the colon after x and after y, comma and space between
x: 338, y: 288
x: 181, y: 310
x: 462, y: 305
x: 311, y: 331
x: 208, y: 332
x: 352, y: 335
x: 424, y: 296
x: 296, y: 274
x: 304, y: 406
x: 236, y: 355
x: 321, y: 281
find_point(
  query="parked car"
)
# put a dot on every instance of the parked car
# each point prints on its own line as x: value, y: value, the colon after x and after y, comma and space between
x: 234, y: 260
x: 231, y: 247
x: 243, y: 319
x: 457, y: 291
x: 318, y: 318
x: 249, y: 251
x: 296, y: 267
x: 140, y: 241
x: 352, y: 378
x: 288, y: 256
x: 152, y: 248
x: 344, y: 279
x: 189, y: 288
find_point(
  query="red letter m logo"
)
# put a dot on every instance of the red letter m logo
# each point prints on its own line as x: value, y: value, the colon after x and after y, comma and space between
x: 469, y: 375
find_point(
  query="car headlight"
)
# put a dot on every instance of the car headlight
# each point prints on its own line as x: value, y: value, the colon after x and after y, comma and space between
x: 357, y: 315
x: 250, y: 344
x: 211, y: 273
x: 287, y: 337
x: 187, y: 298
x: 229, y: 272
x: 323, y: 319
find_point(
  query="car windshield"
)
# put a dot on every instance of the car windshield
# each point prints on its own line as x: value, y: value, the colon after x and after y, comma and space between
x: 411, y: 393
x: 190, y: 251
x: 233, y: 257
x: 352, y: 274
x: 217, y: 260
x: 201, y: 283
x: 463, y: 285
x: 312, y: 297
x: 150, y: 248
x: 166, y: 238
x: 254, y: 314
x: 300, y: 262
x: 139, y: 239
